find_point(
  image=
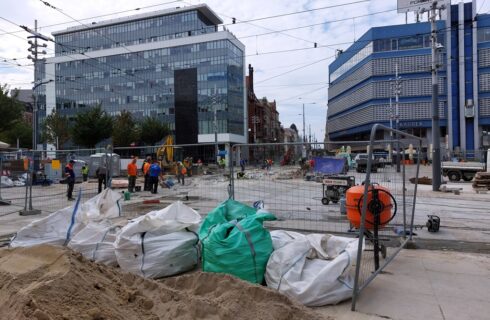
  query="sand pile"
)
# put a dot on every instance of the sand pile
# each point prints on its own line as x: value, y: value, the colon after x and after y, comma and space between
x: 55, y: 283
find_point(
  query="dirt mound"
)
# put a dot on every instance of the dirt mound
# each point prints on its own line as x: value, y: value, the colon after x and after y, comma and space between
x: 47, y: 282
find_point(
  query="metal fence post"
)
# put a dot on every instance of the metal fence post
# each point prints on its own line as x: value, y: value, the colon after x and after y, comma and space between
x: 363, y: 218
x: 2, y: 202
x: 404, y: 197
x: 231, y: 185
x: 28, y: 211
x: 415, y: 192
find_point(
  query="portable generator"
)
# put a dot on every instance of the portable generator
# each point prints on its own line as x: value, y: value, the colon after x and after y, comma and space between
x: 334, y: 187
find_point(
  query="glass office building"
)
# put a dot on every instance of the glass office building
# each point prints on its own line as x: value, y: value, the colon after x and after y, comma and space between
x: 362, y: 80
x: 174, y: 65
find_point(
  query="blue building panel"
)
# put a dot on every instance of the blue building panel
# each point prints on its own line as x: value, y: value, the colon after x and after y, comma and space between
x: 359, y: 94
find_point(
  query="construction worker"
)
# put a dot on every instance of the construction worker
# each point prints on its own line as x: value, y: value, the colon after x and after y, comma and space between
x: 146, y: 173
x: 181, y: 171
x: 70, y: 180
x: 132, y: 173
x: 155, y: 171
x: 242, y: 164
x: 101, y: 173
x: 85, y: 172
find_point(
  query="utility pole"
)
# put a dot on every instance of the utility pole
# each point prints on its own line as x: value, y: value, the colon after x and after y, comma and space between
x: 436, y: 133
x: 304, y: 130
x: 34, y: 50
x: 215, y: 124
x: 397, y: 116
x: 391, y: 124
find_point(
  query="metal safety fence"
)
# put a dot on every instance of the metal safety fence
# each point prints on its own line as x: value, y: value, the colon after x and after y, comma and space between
x: 34, y: 182
x: 307, y: 190
x: 303, y: 184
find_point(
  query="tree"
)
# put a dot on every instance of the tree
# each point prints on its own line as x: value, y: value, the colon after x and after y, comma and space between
x: 153, y: 130
x: 91, y: 127
x: 11, y: 109
x: 124, y: 130
x: 56, y: 129
x: 19, y: 130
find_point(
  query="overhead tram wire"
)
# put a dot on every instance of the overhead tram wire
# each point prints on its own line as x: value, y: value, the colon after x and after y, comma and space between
x: 308, y: 48
x: 290, y: 50
x: 298, y: 12
x: 86, y: 55
x: 293, y: 85
x: 302, y: 94
x: 281, y: 51
x: 137, y: 53
x: 316, y: 24
x: 118, y: 69
x: 262, y: 27
x: 94, y: 17
x: 295, y: 69
x: 247, y: 36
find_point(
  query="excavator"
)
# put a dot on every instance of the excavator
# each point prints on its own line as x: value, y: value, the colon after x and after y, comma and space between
x: 165, y: 155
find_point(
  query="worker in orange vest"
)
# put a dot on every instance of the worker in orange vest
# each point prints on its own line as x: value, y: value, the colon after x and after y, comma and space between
x: 146, y: 173
x: 132, y: 173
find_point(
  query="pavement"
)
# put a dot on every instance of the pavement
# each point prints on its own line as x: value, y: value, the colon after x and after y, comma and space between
x: 424, y: 284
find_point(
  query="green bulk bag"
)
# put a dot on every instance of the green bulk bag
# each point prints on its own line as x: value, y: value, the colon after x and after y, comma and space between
x: 234, y: 241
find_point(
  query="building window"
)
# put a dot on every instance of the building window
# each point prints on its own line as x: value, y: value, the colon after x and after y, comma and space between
x: 483, y: 35
x: 414, y: 42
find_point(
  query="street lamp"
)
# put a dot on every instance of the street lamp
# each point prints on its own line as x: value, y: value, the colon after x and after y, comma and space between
x: 34, y: 111
x: 304, y: 126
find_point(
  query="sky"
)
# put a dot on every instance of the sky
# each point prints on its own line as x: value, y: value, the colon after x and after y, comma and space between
x: 290, y: 78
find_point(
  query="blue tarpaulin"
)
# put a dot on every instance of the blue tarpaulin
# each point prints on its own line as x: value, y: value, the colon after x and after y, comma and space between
x: 329, y: 165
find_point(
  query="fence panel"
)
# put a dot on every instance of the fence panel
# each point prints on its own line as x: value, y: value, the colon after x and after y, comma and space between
x: 387, y: 207
x: 305, y: 187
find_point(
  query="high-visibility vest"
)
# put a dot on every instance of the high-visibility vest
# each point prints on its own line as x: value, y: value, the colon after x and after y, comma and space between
x: 146, y: 167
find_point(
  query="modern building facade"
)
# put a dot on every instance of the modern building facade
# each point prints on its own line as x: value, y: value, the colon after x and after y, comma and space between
x: 363, y: 79
x: 175, y: 65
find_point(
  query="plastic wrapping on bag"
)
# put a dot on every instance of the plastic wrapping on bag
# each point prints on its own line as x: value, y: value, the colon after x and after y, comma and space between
x: 6, y: 182
x: 60, y: 226
x: 315, y: 269
x: 96, y: 242
x: 235, y: 242
x: 161, y: 243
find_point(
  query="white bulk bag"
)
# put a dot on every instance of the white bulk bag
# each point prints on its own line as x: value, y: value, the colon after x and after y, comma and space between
x: 161, y: 243
x: 315, y: 269
x: 96, y: 242
x: 60, y: 226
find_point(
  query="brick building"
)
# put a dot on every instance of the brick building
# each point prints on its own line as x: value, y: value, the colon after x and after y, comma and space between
x: 263, y: 121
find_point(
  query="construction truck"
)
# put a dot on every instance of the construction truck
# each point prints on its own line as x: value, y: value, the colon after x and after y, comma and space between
x: 456, y: 171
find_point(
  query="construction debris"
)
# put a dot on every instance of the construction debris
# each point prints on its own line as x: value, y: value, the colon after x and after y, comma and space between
x: 422, y: 180
x: 454, y: 190
x: 481, y: 182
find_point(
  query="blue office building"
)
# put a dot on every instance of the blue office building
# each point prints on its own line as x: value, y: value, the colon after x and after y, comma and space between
x: 177, y: 65
x: 362, y: 80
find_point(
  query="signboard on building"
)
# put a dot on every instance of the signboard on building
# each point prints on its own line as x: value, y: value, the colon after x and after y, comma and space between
x: 417, y: 5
